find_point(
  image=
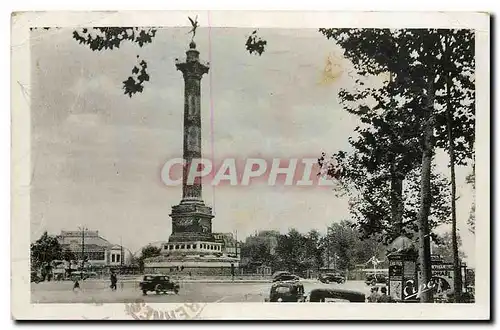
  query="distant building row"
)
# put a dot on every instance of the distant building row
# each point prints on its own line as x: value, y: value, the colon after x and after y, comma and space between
x: 97, y: 250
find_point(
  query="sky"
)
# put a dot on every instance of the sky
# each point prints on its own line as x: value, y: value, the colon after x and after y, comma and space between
x: 97, y: 154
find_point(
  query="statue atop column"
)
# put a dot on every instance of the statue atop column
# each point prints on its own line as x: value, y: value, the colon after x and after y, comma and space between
x: 195, y: 26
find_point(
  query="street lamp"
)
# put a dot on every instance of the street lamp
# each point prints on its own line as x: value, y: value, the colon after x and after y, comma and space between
x: 83, y: 230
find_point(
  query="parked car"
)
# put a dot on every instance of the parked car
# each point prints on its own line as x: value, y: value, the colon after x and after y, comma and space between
x: 331, y: 277
x: 335, y: 295
x: 280, y: 273
x: 286, y: 292
x: 373, y: 279
x: 284, y: 276
x: 158, y: 284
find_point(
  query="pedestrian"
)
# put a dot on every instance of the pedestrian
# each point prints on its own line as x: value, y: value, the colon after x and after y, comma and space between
x: 374, y: 295
x: 76, y: 285
x: 113, y: 281
x: 384, y: 297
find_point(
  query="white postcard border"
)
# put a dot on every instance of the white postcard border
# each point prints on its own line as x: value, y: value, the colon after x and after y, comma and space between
x: 21, y: 307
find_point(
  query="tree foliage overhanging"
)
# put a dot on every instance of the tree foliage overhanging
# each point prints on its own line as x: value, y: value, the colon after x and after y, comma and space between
x: 389, y: 142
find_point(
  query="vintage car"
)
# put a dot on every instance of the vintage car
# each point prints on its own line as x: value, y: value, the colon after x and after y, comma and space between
x: 286, y: 292
x: 331, y: 277
x: 280, y: 273
x: 335, y: 295
x: 373, y: 279
x: 284, y: 276
x: 158, y: 283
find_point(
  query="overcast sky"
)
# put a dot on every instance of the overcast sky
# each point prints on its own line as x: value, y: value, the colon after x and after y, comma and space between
x: 97, y: 153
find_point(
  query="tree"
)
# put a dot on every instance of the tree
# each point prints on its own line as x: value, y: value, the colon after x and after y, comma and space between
x: 471, y: 221
x: 458, y: 48
x: 259, y: 249
x: 443, y: 246
x: 418, y: 62
x: 148, y: 252
x: 109, y: 38
x: 68, y: 255
x: 346, y: 247
x: 371, y: 200
x: 341, y: 242
x: 291, y: 252
x: 314, y: 248
x: 44, y: 251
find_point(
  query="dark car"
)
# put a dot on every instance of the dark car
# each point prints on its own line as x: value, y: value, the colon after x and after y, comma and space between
x: 280, y: 273
x: 329, y: 278
x: 335, y: 295
x: 159, y: 284
x: 373, y: 279
x: 284, y: 276
x: 286, y: 292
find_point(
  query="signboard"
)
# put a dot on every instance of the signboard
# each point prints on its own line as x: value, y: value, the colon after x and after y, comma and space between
x: 396, y: 279
x: 402, y: 279
x: 436, y: 259
x: 443, y: 277
x: 396, y: 270
x: 395, y: 289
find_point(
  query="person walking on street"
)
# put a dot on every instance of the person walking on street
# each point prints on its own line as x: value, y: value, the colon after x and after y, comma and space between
x: 76, y: 285
x: 113, y: 281
x: 385, y: 298
x: 374, y: 295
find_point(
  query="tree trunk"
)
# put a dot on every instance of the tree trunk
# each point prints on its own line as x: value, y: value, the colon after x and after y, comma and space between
x: 457, y: 282
x: 425, y: 199
x: 397, y: 206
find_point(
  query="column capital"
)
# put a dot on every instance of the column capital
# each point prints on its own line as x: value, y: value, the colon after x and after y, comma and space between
x: 192, y: 69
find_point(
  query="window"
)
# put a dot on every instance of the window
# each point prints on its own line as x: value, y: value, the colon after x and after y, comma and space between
x: 112, y: 258
x: 177, y: 247
x: 188, y: 246
x: 182, y: 246
x: 195, y: 246
x: 118, y: 258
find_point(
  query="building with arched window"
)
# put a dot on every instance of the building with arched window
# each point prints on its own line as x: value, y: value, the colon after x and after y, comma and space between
x: 97, y: 250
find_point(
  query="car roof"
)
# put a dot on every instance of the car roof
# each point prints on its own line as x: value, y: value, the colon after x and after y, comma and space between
x: 287, y: 283
x: 281, y: 272
x: 337, y: 293
x: 154, y: 275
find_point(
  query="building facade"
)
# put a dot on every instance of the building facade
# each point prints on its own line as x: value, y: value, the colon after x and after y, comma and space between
x: 96, y: 250
x: 230, y: 245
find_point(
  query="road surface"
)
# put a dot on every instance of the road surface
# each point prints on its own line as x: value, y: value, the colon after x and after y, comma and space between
x: 98, y: 292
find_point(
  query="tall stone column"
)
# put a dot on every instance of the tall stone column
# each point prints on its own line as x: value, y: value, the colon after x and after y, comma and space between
x: 191, y: 219
x: 192, y: 71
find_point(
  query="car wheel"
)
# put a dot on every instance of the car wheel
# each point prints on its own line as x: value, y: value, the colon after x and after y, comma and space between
x: 176, y: 290
x: 158, y: 289
x: 144, y: 292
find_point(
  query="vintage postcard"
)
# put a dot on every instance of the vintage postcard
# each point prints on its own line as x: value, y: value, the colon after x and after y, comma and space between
x: 250, y: 165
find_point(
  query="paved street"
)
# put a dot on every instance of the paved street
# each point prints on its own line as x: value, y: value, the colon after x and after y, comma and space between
x: 99, y: 292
